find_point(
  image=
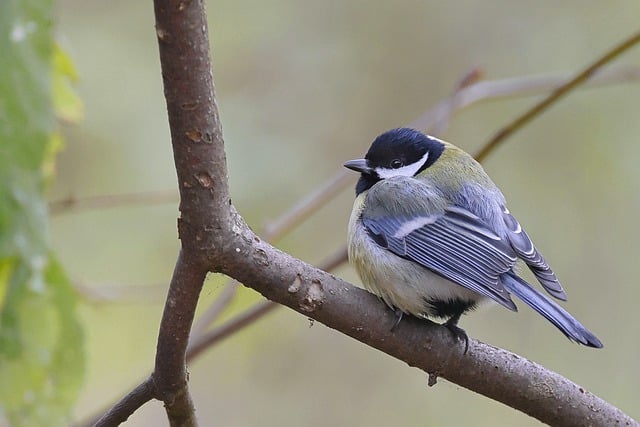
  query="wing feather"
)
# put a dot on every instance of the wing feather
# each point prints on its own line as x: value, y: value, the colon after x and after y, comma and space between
x: 455, y: 244
x: 526, y: 250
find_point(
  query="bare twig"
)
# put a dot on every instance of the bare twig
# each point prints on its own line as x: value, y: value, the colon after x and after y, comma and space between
x: 306, y: 206
x: 537, y: 109
x: 76, y: 204
x: 471, y: 77
x: 489, y: 90
x: 127, y: 405
x: 109, y: 292
x: 216, y: 335
x: 334, y: 260
x: 215, y: 309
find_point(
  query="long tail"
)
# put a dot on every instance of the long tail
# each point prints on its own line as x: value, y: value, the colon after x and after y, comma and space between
x: 550, y: 310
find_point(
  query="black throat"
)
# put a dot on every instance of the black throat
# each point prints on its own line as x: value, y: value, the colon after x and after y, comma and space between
x: 395, y: 149
x: 368, y: 180
x: 365, y: 182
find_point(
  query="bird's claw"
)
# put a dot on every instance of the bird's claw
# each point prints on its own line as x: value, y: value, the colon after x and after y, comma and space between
x: 399, y: 313
x: 458, y: 333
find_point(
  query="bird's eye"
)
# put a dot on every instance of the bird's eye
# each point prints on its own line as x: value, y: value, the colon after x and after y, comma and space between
x: 396, y: 163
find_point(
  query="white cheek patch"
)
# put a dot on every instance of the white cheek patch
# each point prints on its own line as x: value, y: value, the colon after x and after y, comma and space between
x: 414, y: 224
x: 408, y: 170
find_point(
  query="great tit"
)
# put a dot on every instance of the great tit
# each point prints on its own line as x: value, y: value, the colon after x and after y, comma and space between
x: 430, y: 234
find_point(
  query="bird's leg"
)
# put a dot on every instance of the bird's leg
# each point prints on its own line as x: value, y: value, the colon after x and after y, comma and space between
x: 399, y: 313
x: 458, y: 332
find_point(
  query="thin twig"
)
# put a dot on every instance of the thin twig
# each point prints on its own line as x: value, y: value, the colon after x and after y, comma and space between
x: 216, y: 335
x: 216, y: 308
x: 537, y: 109
x: 307, y: 206
x: 489, y: 90
x: 334, y: 260
x: 109, y: 292
x: 126, y: 406
x: 77, y: 204
x: 471, y: 77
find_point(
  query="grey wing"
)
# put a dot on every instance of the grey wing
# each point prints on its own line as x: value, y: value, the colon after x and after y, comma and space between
x: 526, y: 250
x: 455, y: 244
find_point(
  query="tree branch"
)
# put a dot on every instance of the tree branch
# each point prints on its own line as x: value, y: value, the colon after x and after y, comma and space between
x: 488, y: 90
x: 558, y: 93
x: 119, y: 413
x: 76, y: 204
x: 204, y: 340
x: 493, y: 372
x: 200, y: 161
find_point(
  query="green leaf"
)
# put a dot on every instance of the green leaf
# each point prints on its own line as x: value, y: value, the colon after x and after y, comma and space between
x: 41, y: 353
x: 26, y: 50
x: 67, y: 103
x: 41, y: 367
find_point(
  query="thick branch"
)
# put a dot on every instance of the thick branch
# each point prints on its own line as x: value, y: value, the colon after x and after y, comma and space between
x: 487, y: 370
x: 196, y: 136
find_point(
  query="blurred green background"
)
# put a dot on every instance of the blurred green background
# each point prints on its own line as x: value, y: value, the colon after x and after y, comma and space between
x: 303, y: 86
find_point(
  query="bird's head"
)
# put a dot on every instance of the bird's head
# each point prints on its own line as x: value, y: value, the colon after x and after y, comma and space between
x: 397, y: 152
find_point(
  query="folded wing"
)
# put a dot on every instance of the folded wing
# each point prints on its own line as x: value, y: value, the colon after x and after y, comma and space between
x: 455, y: 244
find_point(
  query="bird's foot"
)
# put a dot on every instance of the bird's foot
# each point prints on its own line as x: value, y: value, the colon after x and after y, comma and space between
x: 457, y: 332
x: 399, y: 313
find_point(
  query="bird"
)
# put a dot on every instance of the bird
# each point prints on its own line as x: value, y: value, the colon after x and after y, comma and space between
x: 430, y: 235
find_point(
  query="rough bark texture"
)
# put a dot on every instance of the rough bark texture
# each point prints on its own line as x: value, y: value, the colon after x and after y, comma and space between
x: 199, y: 155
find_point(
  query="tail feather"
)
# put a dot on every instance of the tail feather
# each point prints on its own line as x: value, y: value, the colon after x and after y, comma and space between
x: 544, y: 305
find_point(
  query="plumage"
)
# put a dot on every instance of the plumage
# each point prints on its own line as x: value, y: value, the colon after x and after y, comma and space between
x: 430, y: 234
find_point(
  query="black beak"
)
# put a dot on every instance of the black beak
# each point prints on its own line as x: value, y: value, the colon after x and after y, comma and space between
x: 358, y: 165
